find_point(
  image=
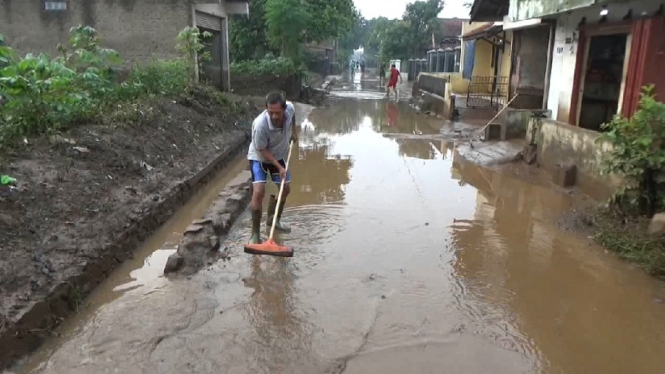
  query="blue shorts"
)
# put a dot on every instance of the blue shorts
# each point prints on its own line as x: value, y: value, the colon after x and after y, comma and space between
x: 260, y: 171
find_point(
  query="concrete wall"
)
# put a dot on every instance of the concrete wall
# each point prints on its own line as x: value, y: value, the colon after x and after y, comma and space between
x: 432, y: 84
x: 137, y: 29
x: 527, y: 9
x: 565, y: 49
x: 530, y: 50
x: 436, y: 92
x: 483, y: 62
x: 260, y: 85
x: 506, y: 56
x: 515, y: 122
x: 561, y: 143
x: 455, y: 81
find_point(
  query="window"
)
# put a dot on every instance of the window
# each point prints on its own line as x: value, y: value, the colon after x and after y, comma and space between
x: 55, y: 5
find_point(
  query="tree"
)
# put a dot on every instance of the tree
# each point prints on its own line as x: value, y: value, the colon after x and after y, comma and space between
x: 333, y: 18
x: 396, y: 43
x: 421, y: 17
x: 248, y: 37
x: 283, y: 26
x: 286, y: 22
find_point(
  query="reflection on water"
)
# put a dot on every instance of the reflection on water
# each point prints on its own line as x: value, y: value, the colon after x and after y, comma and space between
x: 407, y: 259
x: 581, y: 311
x: 280, y: 332
x: 444, y: 254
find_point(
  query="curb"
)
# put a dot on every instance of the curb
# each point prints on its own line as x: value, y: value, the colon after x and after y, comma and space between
x: 202, y: 239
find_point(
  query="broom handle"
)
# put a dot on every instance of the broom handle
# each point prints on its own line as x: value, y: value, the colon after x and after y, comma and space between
x: 281, y: 190
x: 495, y: 117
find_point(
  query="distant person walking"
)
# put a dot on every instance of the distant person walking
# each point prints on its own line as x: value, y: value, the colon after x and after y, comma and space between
x: 382, y: 74
x: 395, y: 76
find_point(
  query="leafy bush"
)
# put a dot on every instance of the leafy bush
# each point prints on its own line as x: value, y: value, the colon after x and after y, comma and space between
x: 41, y: 93
x: 268, y: 65
x: 159, y: 77
x: 638, y: 154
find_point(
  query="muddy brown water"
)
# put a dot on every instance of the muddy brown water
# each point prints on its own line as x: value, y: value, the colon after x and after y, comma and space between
x: 408, y: 260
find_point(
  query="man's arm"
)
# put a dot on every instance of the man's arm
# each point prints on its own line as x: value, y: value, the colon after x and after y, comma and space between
x: 268, y: 156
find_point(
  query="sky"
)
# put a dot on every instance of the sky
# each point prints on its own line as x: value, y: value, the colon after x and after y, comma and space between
x: 395, y: 8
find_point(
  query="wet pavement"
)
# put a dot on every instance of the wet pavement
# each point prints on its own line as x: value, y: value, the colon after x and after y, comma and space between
x: 409, y: 259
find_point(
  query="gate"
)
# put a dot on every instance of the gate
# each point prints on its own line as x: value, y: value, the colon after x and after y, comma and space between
x: 487, y: 91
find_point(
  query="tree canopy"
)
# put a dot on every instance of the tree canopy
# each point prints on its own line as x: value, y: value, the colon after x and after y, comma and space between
x: 410, y: 36
x: 284, y: 26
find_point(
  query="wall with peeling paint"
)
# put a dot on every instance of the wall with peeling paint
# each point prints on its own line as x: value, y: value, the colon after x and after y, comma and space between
x: 528, y: 9
x: 565, y: 55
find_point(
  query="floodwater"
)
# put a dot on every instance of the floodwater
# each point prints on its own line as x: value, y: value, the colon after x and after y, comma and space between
x: 408, y: 260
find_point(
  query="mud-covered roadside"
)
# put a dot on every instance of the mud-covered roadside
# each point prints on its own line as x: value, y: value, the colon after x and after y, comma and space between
x: 86, y: 198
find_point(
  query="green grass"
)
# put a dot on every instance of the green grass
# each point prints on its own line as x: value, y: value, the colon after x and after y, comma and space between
x: 629, y: 239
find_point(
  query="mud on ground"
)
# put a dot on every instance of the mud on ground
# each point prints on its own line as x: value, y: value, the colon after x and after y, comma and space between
x: 85, y: 198
x: 626, y: 235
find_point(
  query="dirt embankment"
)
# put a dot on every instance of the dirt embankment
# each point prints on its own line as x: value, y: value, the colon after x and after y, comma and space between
x: 86, y: 198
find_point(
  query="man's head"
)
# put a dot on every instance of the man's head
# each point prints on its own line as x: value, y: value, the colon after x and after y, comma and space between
x: 392, y: 66
x: 275, y: 105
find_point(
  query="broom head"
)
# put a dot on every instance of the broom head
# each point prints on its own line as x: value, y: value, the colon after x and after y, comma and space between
x: 269, y: 248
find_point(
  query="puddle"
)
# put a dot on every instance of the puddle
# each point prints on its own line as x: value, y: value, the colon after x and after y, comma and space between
x: 408, y: 259
x: 146, y: 268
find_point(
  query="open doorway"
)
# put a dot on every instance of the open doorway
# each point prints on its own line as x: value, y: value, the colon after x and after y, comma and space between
x: 212, y: 67
x: 603, y: 76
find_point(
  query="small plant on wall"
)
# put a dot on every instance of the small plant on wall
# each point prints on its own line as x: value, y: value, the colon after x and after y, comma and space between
x: 638, y: 154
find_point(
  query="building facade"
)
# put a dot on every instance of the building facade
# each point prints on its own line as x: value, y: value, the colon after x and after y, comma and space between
x: 584, y: 60
x: 600, y: 55
x: 140, y: 30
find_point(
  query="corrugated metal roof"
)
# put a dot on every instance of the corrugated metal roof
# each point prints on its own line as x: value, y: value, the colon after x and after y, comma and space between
x: 489, y: 10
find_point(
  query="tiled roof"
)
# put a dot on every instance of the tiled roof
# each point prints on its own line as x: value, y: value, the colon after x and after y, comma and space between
x: 452, y: 27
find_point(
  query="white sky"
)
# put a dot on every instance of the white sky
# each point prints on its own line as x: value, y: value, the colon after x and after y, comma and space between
x: 395, y: 8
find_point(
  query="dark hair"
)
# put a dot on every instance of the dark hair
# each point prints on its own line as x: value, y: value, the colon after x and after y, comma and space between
x: 275, y: 98
x: 393, y: 65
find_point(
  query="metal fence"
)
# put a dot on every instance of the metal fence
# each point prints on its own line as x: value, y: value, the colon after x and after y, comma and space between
x: 487, y: 91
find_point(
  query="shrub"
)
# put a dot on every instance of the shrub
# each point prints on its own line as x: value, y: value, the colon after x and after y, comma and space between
x: 41, y: 93
x: 638, y: 154
x: 268, y: 65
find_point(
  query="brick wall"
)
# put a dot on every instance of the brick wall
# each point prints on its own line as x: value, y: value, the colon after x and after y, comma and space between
x: 137, y: 29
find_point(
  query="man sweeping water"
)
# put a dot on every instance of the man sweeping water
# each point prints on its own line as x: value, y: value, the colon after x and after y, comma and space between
x: 272, y: 133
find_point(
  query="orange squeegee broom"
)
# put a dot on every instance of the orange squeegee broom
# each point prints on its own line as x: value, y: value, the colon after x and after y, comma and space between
x: 269, y: 247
